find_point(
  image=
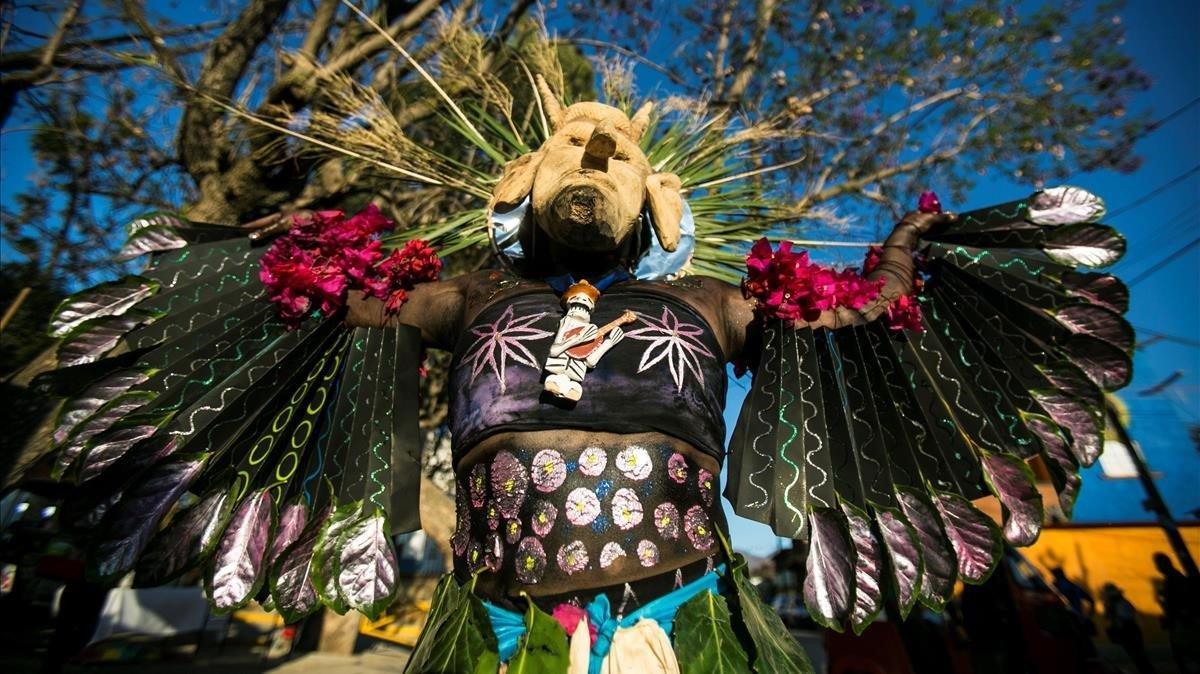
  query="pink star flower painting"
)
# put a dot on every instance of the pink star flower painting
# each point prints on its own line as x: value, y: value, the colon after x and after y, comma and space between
x: 672, y: 340
x: 502, y: 341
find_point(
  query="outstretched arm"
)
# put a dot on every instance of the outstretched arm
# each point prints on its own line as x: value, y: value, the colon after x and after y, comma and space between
x: 436, y: 308
x: 896, y: 268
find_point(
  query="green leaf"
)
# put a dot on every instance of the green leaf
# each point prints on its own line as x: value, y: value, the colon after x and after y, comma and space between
x: 704, y: 639
x: 326, y: 557
x: 776, y: 650
x: 457, y: 635
x: 544, y: 648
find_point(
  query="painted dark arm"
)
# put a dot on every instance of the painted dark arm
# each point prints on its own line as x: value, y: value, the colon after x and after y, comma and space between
x: 896, y: 268
x: 436, y: 308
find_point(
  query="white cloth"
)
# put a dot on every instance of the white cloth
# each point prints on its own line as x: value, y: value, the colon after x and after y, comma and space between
x: 159, y: 611
x: 641, y: 649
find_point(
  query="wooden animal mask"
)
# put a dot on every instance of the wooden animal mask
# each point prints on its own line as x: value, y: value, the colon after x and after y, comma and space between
x: 590, y: 180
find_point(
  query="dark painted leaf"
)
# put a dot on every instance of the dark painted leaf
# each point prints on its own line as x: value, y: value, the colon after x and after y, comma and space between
x: 829, y: 578
x: 1085, y: 244
x: 236, y: 570
x: 366, y: 573
x: 1098, y: 322
x: 704, y: 638
x: 155, y: 219
x: 326, y: 556
x: 107, y: 299
x: 91, y: 399
x: 150, y: 239
x: 135, y: 518
x: 187, y: 540
x: 99, y: 421
x: 1013, y: 483
x: 107, y: 448
x: 904, y: 557
x: 939, y: 566
x: 776, y: 650
x: 544, y: 646
x: 457, y: 636
x: 974, y: 536
x: 93, y: 338
x: 868, y: 569
x: 292, y: 519
x: 1065, y: 205
x: 1076, y: 419
x: 1108, y: 366
x: 1103, y: 289
x: 1054, y: 446
x: 291, y: 579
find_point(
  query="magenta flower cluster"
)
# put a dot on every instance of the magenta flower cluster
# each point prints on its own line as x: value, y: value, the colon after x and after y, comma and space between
x: 326, y: 255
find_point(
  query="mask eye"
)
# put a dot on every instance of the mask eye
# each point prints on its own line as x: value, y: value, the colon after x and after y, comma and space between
x: 621, y: 156
x: 576, y: 141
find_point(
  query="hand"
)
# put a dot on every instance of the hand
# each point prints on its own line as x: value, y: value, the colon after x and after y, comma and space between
x: 923, y: 223
x: 365, y: 312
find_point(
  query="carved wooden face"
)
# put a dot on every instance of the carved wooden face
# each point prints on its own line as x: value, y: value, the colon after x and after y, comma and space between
x: 589, y: 188
x: 590, y: 181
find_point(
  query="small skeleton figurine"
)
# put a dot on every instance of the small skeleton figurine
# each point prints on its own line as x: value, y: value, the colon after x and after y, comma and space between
x: 579, y: 344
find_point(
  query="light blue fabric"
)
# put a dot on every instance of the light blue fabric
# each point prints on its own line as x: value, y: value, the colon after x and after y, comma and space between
x: 509, y: 626
x: 656, y: 263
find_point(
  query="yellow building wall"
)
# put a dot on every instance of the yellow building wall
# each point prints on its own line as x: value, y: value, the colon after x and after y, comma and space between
x: 1094, y: 555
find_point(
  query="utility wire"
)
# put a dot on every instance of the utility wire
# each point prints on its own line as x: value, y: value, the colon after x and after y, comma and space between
x: 1164, y: 262
x: 1194, y: 343
x: 1154, y: 192
x: 1158, y: 124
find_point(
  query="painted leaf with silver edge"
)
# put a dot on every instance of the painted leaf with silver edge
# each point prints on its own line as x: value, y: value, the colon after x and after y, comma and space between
x: 107, y: 299
x: 366, y: 572
x: 1085, y: 244
x: 236, y: 570
x: 974, y: 536
x: 1065, y: 205
x: 1012, y: 482
x: 939, y: 567
x: 903, y: 555
x: 829, y: 579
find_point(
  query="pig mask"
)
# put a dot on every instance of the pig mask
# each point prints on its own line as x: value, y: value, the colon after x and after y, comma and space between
x: 589, y: 182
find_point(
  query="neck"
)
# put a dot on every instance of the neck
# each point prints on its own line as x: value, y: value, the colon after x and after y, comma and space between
x: 582, y: 264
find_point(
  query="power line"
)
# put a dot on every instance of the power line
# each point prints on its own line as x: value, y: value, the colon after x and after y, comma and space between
x: 1154, y: 192
x: 1156, y: 125
x: 1164, y: 262
x: 1194, y: 343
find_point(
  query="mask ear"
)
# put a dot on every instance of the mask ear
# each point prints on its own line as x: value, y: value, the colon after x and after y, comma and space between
x: 666, y: 208
x: 515, y: 183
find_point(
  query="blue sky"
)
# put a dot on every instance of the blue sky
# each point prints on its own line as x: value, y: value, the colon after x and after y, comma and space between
x: 1162, y: 40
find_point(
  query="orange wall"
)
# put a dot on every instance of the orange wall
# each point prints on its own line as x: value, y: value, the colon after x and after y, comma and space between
x: 1095, y: 555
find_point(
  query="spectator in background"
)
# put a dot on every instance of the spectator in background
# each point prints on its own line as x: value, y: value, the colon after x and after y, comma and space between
x: 1123, y: 628
x: 1077, y: 596
x: 1179, y: 597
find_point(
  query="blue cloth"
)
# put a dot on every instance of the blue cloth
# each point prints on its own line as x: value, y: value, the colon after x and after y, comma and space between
x: 655, y: 263
x: 509, y: 626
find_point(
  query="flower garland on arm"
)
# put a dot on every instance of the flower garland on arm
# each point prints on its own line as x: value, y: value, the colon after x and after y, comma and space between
x: 789, y: 287
x: 325, y: 256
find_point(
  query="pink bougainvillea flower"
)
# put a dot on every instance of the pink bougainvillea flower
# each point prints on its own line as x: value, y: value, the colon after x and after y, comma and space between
x: 929, y: 202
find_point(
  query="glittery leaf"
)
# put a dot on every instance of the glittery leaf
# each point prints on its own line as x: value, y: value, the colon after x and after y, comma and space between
x: 107, y: 299
x: 903, y: 555
x: 1085, y: 244
x: 135, y: 518
x: 1076, y: 419
x: 150, y: 238
x: 325, y: 556
x: 366, y: 572
x: 974, y: 536
x: 236, y: 571
x: 868, y: 569
x: 91, y: 339
x: 829, y: 579
x: 291, y: 575
x: 1065, y: 205
x: 187, y: 540
x: 939, y: 566
x: 1013, y: 483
